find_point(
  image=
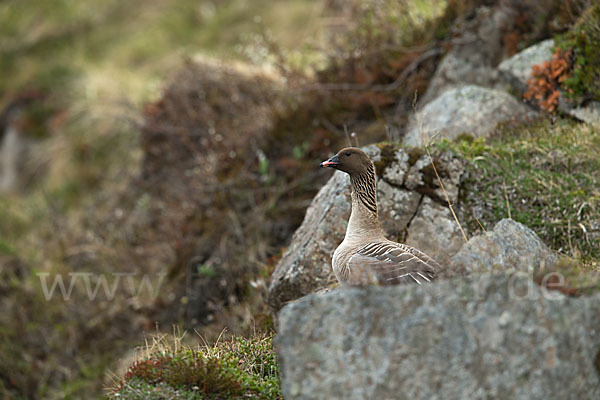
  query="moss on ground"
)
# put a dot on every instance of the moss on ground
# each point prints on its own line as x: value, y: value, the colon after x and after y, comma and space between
x: 545, y: 176
x: 232, y: 369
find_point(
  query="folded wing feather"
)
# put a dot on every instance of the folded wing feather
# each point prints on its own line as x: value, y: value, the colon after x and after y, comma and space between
x: 390, y: 263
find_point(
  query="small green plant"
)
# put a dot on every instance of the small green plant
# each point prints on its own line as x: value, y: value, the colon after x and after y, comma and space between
x: 189, y: 370
x: 206, y: 270
x: 300, y: 151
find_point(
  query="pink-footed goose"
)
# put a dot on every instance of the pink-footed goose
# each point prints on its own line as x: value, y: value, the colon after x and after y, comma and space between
x: 365, y: 256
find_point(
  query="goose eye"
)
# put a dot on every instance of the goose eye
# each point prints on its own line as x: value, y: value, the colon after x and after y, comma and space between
x: 348, y: 153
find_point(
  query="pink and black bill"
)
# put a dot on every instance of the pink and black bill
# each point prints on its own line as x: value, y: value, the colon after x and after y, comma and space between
x: 333, y: 162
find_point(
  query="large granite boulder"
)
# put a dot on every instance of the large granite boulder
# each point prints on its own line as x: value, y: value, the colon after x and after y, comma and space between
x: 468, y: 109
x: 482, y: 337
x: 305, y: 266
x: 412, y: 208
x: 510, y: 245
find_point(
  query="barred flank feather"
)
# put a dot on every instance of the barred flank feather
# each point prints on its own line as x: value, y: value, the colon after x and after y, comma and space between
x: 395, y: 263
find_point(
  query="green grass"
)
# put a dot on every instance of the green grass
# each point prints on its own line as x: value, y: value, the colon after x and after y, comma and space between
x: 545, y: 176
x: 235, y: 368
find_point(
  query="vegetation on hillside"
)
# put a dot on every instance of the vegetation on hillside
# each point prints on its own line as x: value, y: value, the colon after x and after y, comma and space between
x: 544, y: 176
x: 583, y: 41
x: 573, y: 70
x: 236, y: 368
x: 82, y: 71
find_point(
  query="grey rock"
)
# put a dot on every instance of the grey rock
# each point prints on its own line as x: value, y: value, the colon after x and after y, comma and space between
x: 397, y: 207
x: 305, y: 266
x: 476, y: 51
x: 456, y: 70
x: 415, y: 177
x: 510, y: 245
x: 516, y: 70
x: 469, y: 109
x: 396, y: 171
x: 449, y: 168
x: 373, y: 152
x: 475, y: 338
x: 434, y: 231
x: 588, y: 113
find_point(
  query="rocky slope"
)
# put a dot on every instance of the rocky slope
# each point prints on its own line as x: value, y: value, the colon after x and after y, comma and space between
x: 503, y: 329
x: 413, y: 207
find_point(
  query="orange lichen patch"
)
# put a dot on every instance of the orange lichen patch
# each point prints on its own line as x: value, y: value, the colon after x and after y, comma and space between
x: 546, y: 78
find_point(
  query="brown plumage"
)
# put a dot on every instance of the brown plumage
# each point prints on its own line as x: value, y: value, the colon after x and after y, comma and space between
x: 365, y: 256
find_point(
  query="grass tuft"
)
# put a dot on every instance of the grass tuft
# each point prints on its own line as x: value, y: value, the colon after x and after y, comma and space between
x: 549, y: 176
x: 238, y: 367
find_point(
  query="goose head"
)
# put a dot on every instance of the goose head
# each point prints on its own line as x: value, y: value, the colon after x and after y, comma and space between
x: 351, y: 160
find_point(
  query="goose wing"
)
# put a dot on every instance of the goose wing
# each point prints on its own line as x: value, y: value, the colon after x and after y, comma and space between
x: 390, y: 263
